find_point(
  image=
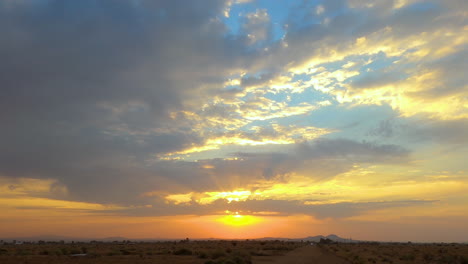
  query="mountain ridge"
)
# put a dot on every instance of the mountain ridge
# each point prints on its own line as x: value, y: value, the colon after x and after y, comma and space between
x: 119, y: 238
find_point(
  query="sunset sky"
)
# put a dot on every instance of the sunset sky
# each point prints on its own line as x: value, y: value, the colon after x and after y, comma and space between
x: 234, y: 119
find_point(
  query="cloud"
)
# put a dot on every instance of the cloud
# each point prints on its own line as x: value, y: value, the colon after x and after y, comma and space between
x: 439, y: 131
x: 348, y: 31
x: 386, y: 129
x: 373, y: 80
x: 423, y: 130
x: 276, y: 207
x: 319, y: 160
x: 88, y: 88
x: 257, y: 27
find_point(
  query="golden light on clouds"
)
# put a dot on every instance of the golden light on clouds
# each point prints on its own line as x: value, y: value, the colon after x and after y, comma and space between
x: 278, y: 135
x: 210, y: 197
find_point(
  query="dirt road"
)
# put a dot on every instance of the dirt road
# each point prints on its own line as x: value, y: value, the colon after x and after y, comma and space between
x: 304, y: 255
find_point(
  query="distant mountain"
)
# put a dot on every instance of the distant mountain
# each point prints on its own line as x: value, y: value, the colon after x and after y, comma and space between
x: 111, y: 239
x: 333, y: 237
x: 64, y: 238
x: 45, y: 238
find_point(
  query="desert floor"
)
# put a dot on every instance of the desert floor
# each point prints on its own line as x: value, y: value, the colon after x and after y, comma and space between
x: 231, y: 252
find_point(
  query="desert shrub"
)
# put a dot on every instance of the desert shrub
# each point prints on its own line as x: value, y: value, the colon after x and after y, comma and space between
x: 218, y: 254
x: 385, y: 259
x: 409, y: 257
x: 259, y: 253
x: 428, y: 257
x: 113, y: 253
x: 75, y: 251
x: 447, y: 259
x: 443, y: 251
x: 3, y: 251
x: 23, y: 252
x: 357, y: 260
x: 241, y: 259
x: 44, y: 252
x: 64, y: 251
x: 125, y: 252
x: 94, y: 255
x: 202, y: 255
x: 463, y: 260
x: 183, y: 251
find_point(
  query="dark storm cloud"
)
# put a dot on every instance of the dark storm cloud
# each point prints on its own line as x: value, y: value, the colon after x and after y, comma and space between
x: 87, y: 86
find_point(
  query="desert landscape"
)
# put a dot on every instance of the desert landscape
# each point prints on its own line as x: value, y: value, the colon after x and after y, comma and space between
x: 232, y: 252
x: 184, y: 251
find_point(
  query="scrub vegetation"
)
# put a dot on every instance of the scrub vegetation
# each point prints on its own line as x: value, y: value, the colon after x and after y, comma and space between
x: 184, y: 251
x: 230, y: 252
x: 363, y: 253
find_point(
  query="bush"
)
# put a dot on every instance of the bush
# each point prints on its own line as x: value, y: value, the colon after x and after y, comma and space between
x: 75, y: 251
x: 463, y: 260
x: 448, y: 259
x: 64, y: 251
x: 202, y: 255
x: 428, y: 257
x: 407, y: 257
x: 183, y: 251
x: 125, y: 252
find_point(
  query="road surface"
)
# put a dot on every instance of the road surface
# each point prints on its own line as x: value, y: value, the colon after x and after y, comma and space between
x: 304, y: 255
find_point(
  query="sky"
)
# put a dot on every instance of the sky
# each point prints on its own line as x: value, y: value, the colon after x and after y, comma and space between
x: 234, y: 119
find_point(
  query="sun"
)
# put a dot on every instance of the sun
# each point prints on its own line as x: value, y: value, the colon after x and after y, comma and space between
x: 238, y: 220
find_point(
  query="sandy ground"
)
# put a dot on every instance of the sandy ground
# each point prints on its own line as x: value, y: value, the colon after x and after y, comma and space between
x: 303, y: 255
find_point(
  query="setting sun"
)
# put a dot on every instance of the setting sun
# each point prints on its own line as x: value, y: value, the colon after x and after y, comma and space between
x: 238, y: 220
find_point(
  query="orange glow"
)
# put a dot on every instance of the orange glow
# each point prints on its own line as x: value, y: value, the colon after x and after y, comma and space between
x: 239, y: 220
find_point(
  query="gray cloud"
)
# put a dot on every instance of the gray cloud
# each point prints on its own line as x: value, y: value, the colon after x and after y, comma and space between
x: 281, y: 207
x: 319, y: 160
x: 386, y: 128
x: 451, y: 76
x: 439, y: 131
x: 376, y: 80
x: 257, y: 27
x: 87, y: 87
